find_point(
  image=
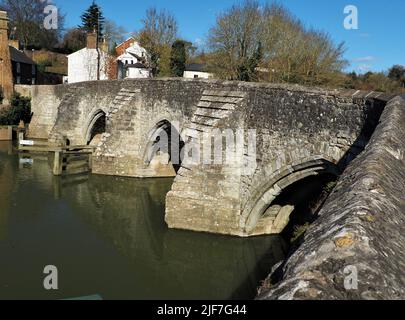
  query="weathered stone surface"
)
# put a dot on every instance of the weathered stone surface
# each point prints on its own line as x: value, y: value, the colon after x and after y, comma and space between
x: 361, y: 227
x: 45, y: 101
x: 299, y: 132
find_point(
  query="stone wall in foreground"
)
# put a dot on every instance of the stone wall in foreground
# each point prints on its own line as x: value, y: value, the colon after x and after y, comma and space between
x: 360, y: 229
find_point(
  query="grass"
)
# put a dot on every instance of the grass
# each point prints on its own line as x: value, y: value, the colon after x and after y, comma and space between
x: 299, y: 231
x: 330, y: 186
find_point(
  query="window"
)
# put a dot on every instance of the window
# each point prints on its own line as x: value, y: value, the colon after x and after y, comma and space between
x: 195, y: 76
x: 18, y: 67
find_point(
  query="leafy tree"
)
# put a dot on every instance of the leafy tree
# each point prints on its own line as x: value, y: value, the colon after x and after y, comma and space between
x: 376, y: 81
x: 113, y: 51
x: 247, y: 71
x: 397, y: 73
x: 20, y: 109
x: 178, y: 58
x: 73, y: 40
x: 93, y: 20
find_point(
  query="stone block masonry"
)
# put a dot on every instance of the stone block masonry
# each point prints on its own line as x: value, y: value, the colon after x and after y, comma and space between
x: 355, y: 250
x: 299, y: 132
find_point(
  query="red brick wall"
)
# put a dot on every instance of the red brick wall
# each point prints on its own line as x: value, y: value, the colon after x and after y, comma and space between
x: 123, y: 46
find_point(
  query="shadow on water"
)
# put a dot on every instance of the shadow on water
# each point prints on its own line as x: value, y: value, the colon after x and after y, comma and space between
x: 107, y: 236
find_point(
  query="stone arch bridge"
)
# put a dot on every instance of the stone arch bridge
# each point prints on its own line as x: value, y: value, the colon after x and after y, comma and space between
x: 300, y: 132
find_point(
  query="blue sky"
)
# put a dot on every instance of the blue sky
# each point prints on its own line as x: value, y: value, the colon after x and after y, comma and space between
x: 376, y: 45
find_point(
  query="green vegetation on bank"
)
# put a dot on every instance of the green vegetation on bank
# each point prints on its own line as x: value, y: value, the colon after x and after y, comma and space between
x: 19, y: 110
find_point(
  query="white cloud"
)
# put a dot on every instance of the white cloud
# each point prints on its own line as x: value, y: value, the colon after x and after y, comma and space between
x: 363, y: 68
x: 365, y: 59
x: 199, y: 42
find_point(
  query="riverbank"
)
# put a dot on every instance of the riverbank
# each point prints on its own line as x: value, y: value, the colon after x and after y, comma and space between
x: 354, y: 250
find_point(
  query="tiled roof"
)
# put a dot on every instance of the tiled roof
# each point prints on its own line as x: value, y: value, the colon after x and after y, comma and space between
x: 19, y: 56
x: 195, y: 67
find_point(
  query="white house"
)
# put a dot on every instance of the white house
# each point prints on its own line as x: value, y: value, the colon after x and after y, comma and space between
x: 133, y: 62
x: 195, y: 71
x: 83, y: 64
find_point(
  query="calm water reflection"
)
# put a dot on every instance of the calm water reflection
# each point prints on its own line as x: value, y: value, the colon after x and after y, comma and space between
x: 107, y: 236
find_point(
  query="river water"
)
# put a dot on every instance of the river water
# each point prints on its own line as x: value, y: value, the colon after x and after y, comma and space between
x: 107, y: 237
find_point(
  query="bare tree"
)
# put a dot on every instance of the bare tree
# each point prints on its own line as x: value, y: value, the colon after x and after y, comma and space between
x: 161, y: 27
x: 157, y: 35
x: 251, y: 42
x: 114, y: 34
x: 27, y: 23
x: 236, y: 38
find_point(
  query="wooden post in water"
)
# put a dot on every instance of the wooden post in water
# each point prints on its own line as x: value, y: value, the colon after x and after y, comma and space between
x: 20, y: 136
x: 10, y: 132
x: 91, y: 162
x: 57, y: 163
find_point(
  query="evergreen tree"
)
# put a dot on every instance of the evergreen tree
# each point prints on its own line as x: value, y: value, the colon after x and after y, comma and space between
x: 178, y: 58
x: 247, y: 69
x: 397, y: 73
x: 93, y: 20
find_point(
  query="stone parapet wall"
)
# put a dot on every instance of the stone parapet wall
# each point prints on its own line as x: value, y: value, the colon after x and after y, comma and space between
x: 360, y: 232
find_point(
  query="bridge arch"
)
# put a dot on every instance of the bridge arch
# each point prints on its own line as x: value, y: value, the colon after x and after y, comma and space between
x: 163, y: 148
x: 96, y: 125
x: 260, y: 215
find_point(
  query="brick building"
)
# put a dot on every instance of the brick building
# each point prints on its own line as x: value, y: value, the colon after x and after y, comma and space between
x: 6, y: 76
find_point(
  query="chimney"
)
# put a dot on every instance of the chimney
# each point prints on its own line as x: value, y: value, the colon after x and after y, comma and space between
x: 92, y: 40
x: 6, y: 76
x: 104, y: 46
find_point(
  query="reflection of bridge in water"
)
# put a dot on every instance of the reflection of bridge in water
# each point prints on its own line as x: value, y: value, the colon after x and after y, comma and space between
x: 172, y: 263
x: 143, y: 259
